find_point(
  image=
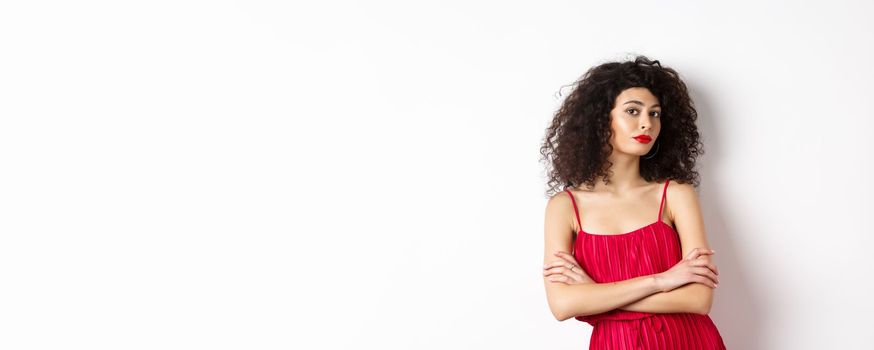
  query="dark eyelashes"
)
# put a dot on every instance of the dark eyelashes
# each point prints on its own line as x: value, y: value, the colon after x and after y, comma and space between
x: 632, y: 109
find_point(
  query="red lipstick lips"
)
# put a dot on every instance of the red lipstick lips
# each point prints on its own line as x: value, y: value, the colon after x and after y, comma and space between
x: 643, y: 138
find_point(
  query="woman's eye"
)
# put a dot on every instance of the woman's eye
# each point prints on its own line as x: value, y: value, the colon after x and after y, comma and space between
x: 632, y: 110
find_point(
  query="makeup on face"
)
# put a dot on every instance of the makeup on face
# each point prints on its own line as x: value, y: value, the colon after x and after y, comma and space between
x: 634, y: 105
x: 643, y: 138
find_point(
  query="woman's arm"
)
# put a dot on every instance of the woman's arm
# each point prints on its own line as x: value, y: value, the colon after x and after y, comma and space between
x: 688, y: 298
x: 567, y: 301
x: 693, y: 297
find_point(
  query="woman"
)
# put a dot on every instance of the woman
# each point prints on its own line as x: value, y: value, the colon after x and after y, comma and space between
x: 628, y: 253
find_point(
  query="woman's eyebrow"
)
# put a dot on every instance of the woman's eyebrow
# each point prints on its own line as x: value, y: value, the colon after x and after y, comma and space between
x: 640, y: 103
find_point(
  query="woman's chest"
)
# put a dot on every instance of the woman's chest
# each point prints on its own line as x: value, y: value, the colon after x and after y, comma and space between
x: 617, y: 258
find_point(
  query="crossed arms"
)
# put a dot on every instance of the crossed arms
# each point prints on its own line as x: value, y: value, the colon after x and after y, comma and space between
x: 642, y: 294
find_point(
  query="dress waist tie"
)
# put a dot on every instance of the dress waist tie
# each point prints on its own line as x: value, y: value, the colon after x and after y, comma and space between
x: 653, y: 322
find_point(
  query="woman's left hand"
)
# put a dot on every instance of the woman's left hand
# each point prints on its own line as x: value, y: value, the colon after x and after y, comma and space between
x: 565, y: 270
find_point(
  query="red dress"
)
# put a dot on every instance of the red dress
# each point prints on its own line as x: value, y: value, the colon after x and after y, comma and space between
x: 651, y: 249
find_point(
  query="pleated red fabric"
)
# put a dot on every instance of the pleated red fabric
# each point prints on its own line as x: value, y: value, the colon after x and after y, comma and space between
x: 648, y: 250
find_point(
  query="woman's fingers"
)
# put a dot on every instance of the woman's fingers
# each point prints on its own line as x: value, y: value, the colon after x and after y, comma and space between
x: 566, y: 256
x: 560, y: 268
x: 712, y: 268
x: 557, y: 263
x: 565, y: 266
x: 705, y: 281
x: 695, y: 253
x: 707, y: 264
x: 559, y: 278
x: 563, y: 272
x: 565, y: 260
x: 703, y: 271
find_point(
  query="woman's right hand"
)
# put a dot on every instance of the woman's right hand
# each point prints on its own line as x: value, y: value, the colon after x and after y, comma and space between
x: 690, y: 269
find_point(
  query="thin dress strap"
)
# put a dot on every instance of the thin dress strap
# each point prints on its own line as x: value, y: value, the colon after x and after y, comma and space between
x: 577, y: 212
x: 665, y: 190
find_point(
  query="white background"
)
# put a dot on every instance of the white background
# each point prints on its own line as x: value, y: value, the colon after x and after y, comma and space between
x: 366, y: 175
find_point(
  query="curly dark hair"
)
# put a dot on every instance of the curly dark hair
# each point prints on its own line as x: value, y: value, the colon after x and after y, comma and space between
x: 577, y: 143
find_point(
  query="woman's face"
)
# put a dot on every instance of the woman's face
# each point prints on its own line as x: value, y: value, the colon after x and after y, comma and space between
x: 635, y: 112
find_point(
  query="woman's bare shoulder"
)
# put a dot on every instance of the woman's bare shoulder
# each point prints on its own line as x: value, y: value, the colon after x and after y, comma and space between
x: 679, y: 197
